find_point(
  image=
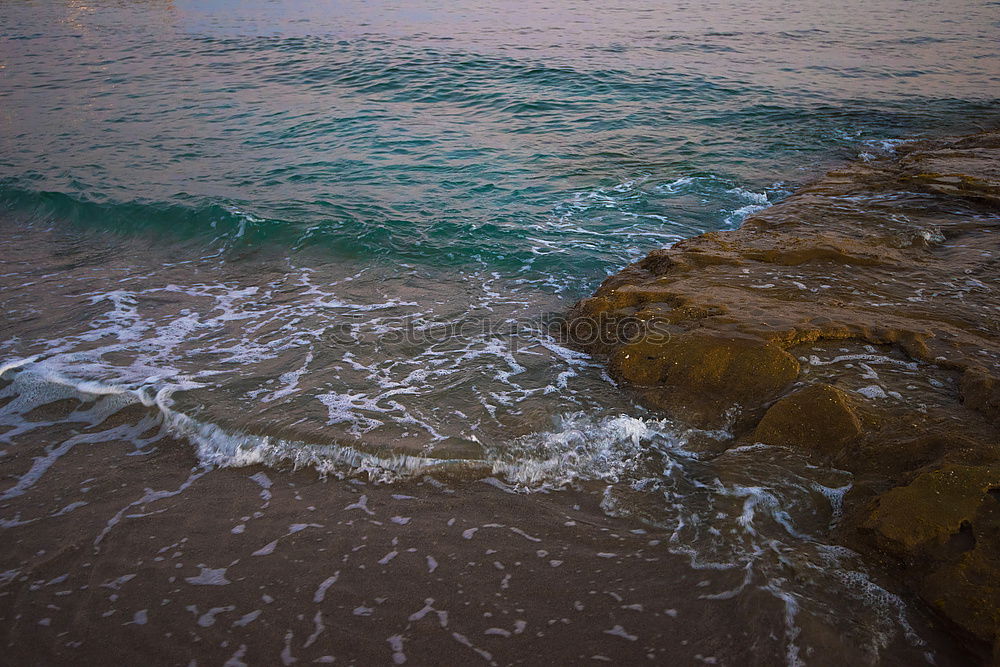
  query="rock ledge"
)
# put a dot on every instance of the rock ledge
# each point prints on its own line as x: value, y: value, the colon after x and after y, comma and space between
x: 859, y: 320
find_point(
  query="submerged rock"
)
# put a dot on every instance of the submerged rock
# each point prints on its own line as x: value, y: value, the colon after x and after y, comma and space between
x: 924, y: 516
x: 859, y: 320
x: 819, y: 417
x: 946, y: 523
x: 981, y: 391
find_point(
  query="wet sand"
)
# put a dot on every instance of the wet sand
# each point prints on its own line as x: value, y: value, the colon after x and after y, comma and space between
x: 259, y: 566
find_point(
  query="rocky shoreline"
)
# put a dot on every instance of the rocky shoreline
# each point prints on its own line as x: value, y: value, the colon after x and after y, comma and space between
x: 858, y: 320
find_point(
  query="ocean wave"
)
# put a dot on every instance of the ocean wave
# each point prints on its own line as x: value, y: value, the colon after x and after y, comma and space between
x: 600, y: 229
x: 754, y: 516
x: 31, y: 386
x: 581, y: 447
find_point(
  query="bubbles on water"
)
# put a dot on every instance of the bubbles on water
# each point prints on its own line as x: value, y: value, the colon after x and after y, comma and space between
x: 758, y: 201
x: 582, y: 447
x: 302, y: 367
x: 627, y: 220
x: 752, y: 518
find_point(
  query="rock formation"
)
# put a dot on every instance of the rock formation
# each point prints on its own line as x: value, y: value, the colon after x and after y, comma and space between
x: 859, y: 321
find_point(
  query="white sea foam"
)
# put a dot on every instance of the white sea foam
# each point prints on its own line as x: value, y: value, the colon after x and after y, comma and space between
x: 231, y: 335
x: 213, y: 445
x: 675, y: 185
x: 759, y: 198
x: 701, y: 500
x: 886, y: 146
x: 867, y: 358
x: 582, y: 447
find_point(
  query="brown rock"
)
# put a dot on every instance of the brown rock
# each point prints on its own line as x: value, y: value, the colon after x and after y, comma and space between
x: 733, y: 369
x: 981, y: 391
x: 851, y: 266
x: 967, y: 592
x: 922, y: 517
x: 819, y: 417
x: 945, y: 526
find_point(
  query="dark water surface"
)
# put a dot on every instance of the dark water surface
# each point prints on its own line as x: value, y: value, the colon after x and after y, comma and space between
x: 332, y: 235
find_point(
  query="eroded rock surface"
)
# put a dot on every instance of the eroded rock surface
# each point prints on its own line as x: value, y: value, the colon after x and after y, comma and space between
x: 858, y: 320
x: 820, y: 416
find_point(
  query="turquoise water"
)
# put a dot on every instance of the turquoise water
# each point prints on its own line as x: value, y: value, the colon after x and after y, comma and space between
x: 477, y: 135
x: 365, y: 169
x: 333, y: 234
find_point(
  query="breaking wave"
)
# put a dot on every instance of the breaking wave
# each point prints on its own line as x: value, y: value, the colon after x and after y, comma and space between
x: 753, y: 516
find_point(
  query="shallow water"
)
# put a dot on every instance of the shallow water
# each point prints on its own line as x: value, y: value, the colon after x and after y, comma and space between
x: 339, y: 236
